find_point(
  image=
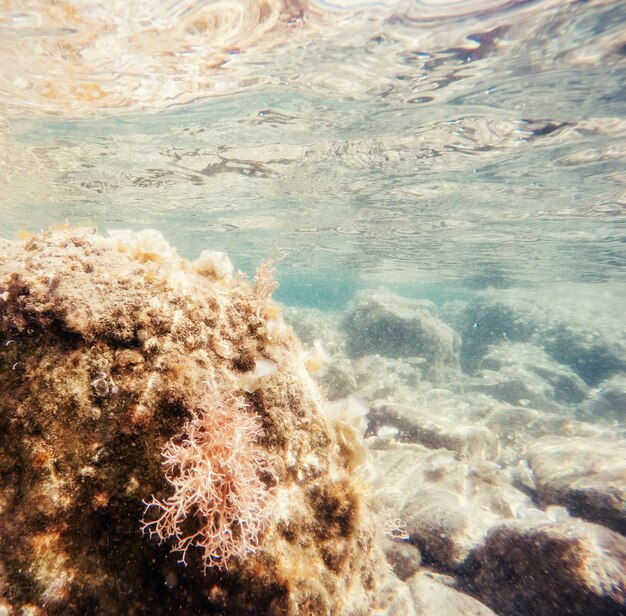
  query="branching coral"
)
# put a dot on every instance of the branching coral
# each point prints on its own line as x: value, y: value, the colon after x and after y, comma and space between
x: 219, y: 476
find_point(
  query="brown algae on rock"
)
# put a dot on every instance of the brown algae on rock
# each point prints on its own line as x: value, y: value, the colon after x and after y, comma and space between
x: 126, y: 394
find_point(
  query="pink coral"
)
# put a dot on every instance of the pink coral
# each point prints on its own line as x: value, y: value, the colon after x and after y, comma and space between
x: 219, y: 474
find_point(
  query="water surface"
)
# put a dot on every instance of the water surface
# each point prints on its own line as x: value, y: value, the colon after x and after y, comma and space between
x: 460, y: 142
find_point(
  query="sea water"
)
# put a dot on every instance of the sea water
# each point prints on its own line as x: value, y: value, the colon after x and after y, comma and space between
x: 469, y: 155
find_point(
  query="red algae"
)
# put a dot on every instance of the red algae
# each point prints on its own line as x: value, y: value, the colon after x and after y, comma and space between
x: 128, y: 383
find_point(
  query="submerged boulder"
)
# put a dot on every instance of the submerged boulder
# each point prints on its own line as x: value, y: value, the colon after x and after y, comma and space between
x: 516, y: 373
x: 142, y: 391
x: 585, y: 474
x: 565, y: 567
x: 382, y: 323
x: 446, y: 506
x: 608, y: 401
x: 436, y: 594
x: 568, y: 321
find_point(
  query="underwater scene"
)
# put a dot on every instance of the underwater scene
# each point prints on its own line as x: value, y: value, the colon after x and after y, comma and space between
x: 313, y: 307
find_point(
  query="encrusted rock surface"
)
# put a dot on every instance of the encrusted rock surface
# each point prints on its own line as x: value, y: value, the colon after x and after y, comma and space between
x: 404, y: 557
x: 138, y: 389
x: 379, y: 322
x: 568, y: 567
x: 111, y: 349
x: 585, y: 474
x: 435, y: 594
x: 446, y: 505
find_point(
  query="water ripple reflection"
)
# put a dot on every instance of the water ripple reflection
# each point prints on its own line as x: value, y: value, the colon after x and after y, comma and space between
x: 435, y: 138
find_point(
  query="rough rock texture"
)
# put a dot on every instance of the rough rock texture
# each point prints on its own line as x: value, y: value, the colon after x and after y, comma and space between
x: 323, y: 342
x: 431, y: 426
x: 404, y: 557
x: 114, y: 351
x: 379, y: 322
x: 395, y: 599
x: 385, y: 378
x: 435, y: 595
x: 446, y: 505
x: 488, y: 321
x: 525, y: 374
x: 608, y: 401
x: 571, y: 324
x: 569, y: 567
x: 586, y: 475
x: 337, y: 380
x: 311, y: 324
x: 518, y: 427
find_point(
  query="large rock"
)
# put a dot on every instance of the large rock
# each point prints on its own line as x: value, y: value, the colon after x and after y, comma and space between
x: 384, y: 378
x: 491, y: 320
x: 434, y: 427
x: 379, y: 322
x: 446, y: 506
x: 395, y: 599
x: 553, y: 568
x: 311, y: 325
x: 607, y: 401
x: 568, y: 322
x: 323, y: 341
x: 404, y: 557
x: 517, y: 428
x: 594, y: 350
x: 436, y: 595
x: 525, y: 374
x: 585, y: 474
x: 137, y: 388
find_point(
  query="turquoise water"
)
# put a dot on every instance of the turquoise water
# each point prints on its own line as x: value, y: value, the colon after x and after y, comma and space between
x: 467, y: 153
x: 481, y: 150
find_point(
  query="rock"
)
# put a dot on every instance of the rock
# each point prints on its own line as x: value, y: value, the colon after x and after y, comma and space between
x: 525, y: 374
x: 311, y: 324
x: 395, y: 599
x: 492, y: 320
x: 382, y: 323
x: 594, y: 350
x: 384, y: 378
x: 139, y: 389
x: 435, y: 417
x: 336, y: 380
x: 585, y: 474
x: 518, y: 387
x: 436, y: 595
x: 324, y: 345
x: 446, y: 506
x: 518, y: 427
x: 404, y: 558
x: 608, y: 401
x: 429, y: 426
x: 553, y: 568
x: 568, y: 322
x: 441, y: 523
